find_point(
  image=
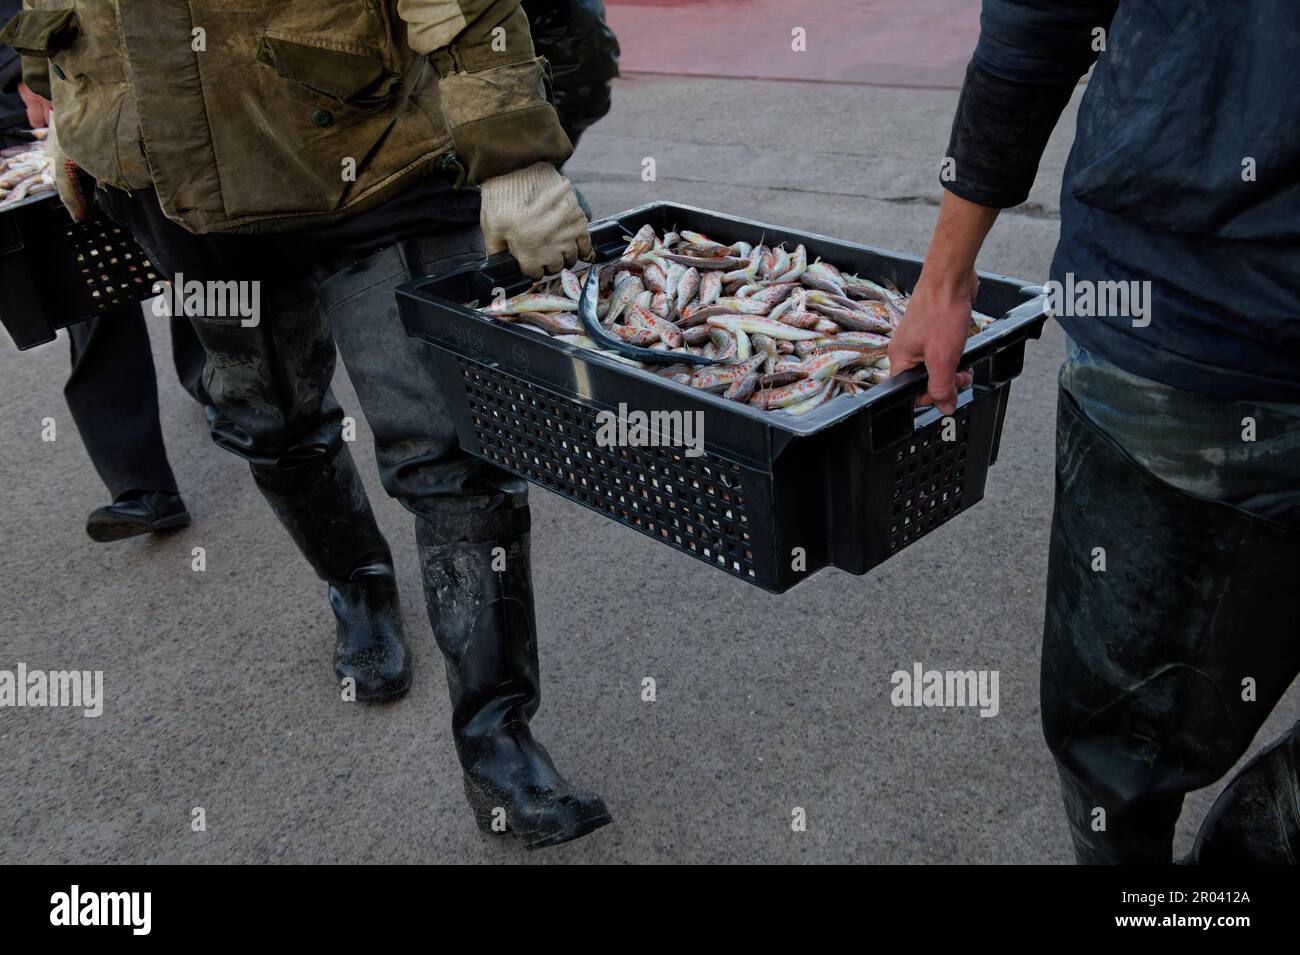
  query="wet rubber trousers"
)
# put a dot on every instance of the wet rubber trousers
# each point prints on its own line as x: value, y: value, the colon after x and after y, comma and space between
x: 1173, y: 615
x: 269, y: 377
x: 270, y: 381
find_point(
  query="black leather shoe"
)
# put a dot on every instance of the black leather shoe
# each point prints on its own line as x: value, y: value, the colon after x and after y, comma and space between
x: 482, y: 616
x: 135, y: 513
x: 371, y: 651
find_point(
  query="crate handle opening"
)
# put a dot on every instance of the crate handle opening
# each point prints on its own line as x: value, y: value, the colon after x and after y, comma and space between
x: 928, y: 415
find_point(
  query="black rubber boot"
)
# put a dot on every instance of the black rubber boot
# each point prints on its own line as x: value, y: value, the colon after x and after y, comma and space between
x: 135, y: 513
x: 481, y: 609
x: 323, y: 506
x: 1256, y: 819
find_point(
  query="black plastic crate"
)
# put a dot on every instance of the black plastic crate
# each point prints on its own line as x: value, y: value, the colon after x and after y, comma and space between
x: 54, y: 272
x: 775, y: 497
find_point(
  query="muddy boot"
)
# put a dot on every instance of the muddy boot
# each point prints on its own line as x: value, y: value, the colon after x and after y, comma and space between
x: 482, y: 617
x: 323, y: 506
x: 1256, y: 819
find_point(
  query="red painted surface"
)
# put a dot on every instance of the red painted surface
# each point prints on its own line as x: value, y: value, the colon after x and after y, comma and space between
x: 878, y: 42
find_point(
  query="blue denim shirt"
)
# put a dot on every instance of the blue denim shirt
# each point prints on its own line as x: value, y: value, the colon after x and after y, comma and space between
x: 1185, y: 173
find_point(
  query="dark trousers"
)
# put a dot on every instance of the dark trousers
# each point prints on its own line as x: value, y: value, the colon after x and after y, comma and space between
x: 1173, y: 614
x: 112, y: 393
x: 328, y: 286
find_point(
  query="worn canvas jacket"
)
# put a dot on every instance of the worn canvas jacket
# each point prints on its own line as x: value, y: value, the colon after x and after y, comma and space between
x: 256, y: 116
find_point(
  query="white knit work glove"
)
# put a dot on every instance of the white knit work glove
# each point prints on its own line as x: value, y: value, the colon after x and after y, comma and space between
x: 534, y: 213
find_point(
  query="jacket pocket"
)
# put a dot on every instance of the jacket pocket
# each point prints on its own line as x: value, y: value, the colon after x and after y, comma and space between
x: 40, y: 32
x: 353, y: 76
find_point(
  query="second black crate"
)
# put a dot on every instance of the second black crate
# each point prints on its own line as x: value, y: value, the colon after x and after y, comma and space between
x: 54, y: 272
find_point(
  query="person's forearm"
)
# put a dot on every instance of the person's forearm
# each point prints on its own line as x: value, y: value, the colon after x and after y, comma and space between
x: 958, y: 235
x: 1030, y: 55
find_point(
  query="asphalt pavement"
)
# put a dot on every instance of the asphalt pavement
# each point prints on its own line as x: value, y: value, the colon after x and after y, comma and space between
x: 218, y: 689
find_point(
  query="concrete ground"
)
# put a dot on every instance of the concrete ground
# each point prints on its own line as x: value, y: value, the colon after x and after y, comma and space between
x: 218, y: 684
x: 924, y: 43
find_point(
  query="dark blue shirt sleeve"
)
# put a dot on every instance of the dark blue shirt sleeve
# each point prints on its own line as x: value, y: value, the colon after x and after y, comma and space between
x: 1040, y: 41
x: 1030, y: 55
